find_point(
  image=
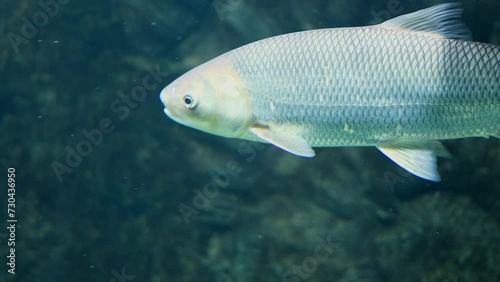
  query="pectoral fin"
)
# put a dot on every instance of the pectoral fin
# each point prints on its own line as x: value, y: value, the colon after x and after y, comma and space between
x: 288, y: 142
x: 417, y: 157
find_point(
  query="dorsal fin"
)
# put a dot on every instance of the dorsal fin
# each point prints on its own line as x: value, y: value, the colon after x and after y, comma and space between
x: 440, y: 20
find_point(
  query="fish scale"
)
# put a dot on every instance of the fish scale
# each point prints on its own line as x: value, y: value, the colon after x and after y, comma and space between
x: 382, y: 84
x: 400, y: 86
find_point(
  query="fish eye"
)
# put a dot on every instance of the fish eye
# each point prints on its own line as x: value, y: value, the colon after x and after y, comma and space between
x: 189, y: 101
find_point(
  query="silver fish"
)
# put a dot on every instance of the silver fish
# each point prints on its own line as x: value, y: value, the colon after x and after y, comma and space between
x: 400, y: 86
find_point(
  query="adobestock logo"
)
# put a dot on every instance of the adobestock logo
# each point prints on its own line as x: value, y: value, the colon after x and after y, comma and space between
x: 224, y: 6
x: 122, y: 108
x: 31, y: 27
x: 321, y: 253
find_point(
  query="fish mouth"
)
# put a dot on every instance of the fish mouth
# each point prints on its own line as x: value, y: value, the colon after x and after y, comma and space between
x: 169, y: 113
x: 172, y: 115
x: 164, y: 97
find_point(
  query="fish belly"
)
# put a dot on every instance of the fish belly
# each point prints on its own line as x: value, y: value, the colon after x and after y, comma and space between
x: 360, y: 86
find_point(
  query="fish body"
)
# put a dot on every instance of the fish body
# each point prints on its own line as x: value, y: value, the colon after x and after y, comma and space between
x: 399, y: 86
x: 360, y: 86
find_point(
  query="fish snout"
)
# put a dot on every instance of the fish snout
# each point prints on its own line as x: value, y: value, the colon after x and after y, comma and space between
x: 166, y: 98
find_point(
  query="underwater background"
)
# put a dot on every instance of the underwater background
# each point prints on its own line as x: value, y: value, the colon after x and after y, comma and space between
x: 109, y: 189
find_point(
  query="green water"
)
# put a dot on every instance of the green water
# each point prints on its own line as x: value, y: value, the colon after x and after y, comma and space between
x: 107, y: 188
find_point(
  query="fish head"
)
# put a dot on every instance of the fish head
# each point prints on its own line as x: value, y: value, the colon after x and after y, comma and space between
x: 210, y: 98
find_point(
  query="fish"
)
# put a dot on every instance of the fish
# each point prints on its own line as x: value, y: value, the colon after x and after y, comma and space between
x: 402, y: 86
